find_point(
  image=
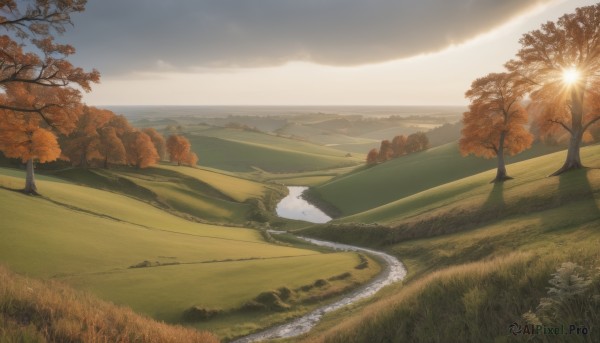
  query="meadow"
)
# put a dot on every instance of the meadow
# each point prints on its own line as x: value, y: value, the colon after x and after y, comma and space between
x: 172, y: 242
x: 159, y: 264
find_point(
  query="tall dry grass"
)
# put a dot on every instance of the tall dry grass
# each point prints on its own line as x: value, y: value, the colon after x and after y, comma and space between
x: 46, y: 311
x: 474, y: 302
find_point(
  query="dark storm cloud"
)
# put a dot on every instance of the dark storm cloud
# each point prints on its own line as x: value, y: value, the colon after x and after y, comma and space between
x: 117, y: 36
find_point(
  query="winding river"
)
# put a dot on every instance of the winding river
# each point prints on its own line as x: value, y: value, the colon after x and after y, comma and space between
x: 393, y: 271
x: 293, y: 206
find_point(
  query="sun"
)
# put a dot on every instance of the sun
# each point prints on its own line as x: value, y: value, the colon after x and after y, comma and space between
x: 570, y: 75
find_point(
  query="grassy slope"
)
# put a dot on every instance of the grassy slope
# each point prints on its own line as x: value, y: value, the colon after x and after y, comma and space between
x: 242, y: 151
x: 407, y: 175
x: 89, y: 238
x: 238, y: 189
x: 469, y: 281
x: 206, y: 195
x: 36, y: 311
x: 530, y: 181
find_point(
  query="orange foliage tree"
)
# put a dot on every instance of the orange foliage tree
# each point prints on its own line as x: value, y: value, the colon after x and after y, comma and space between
x: 372, y: 157
x: 385, y: 151
x: 36, y: 83
x: 179, y: 149
x: 34, y: 22
x: 140, y: 151
x: 83, y: 144
x: 30, y: 136
x: 416, y: 142
x: 159, y: 142
x: 495, y: 123
x: 568, y: 47
x: 110, y: 148
x: 399, y: 145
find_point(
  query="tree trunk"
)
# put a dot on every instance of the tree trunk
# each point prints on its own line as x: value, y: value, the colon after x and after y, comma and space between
x: 106, y: 162
x: 83, y: 162
x: 501, y: 171
x: 30, y: 187
x: 573, y: 160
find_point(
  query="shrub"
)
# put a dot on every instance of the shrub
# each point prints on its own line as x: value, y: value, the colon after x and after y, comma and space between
x: 340, y: 276
x: 197, y: 313
x: 321, y: 283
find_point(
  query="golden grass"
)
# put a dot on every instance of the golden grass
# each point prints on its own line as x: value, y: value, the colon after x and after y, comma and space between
x: 379, y: 312
x: 32, y: 310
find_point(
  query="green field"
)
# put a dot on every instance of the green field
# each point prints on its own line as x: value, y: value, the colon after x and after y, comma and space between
x: 90, y: 238
x: 480, y: 256
x: 372, y: 187
x: 243, y: 151
x: 201, y: 194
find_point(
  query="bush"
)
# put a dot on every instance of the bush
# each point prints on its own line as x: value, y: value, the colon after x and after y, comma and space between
x: 340, y: 276
x: 271, y: 300
x: 197, y: 314
x: 364, y: 263
x: 321, y: 283
x: 572, y: 298
x: 284, y: 293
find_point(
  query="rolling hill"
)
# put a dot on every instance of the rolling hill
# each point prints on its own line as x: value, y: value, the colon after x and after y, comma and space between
x: 482, y: 256
x: 238, y: 150
x: 404, y: 176
x: 127, y: 251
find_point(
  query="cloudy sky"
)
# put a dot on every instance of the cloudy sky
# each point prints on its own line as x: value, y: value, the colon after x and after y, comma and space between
x: 299, y: 52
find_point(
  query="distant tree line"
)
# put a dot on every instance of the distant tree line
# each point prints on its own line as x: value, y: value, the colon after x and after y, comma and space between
x: 101, y: 139
x: 399, y: 146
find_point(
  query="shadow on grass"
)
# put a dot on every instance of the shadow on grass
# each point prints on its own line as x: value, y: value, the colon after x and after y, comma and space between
x: 575, y: 188
x: 495, y: 200
x: 18, y: 190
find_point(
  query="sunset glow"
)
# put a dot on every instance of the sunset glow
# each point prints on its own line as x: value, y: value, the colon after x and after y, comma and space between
x: 570, y: 76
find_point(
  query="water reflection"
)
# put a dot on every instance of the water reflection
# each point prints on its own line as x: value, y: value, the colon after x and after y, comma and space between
x: 294, y: 207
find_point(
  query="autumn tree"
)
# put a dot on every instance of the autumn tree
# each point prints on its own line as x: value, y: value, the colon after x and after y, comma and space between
x: 416, y: 142
x: 372, y: 157
x: 179, y: 149
x: 561, y: 62
x: 399, y: 145
x: 37, y: 80
x: 33, y: 23
x: 140, y: 151
x: 191, y: 159
x: 159, y: 142
x: 121, y: 125
x: 385, y: 151
x: 110, y: 148
x: 82, y: 145
x: 30, y: 136
x: 495, y: 123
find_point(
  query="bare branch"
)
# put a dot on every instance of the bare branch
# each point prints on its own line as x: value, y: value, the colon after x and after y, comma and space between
x: 561, y: 124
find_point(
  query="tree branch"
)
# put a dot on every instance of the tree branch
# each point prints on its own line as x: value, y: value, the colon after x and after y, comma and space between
x: 39, y: 111
x: 561, y: 124
x: 586, y: 126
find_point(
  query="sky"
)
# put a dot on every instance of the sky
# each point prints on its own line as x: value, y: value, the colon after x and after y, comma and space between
x: 291, y: 52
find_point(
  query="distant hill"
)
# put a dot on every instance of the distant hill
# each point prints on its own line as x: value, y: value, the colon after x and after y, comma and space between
x: 446, y: 133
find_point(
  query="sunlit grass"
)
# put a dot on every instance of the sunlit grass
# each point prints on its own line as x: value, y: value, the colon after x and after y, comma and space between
x: 90, y: 238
